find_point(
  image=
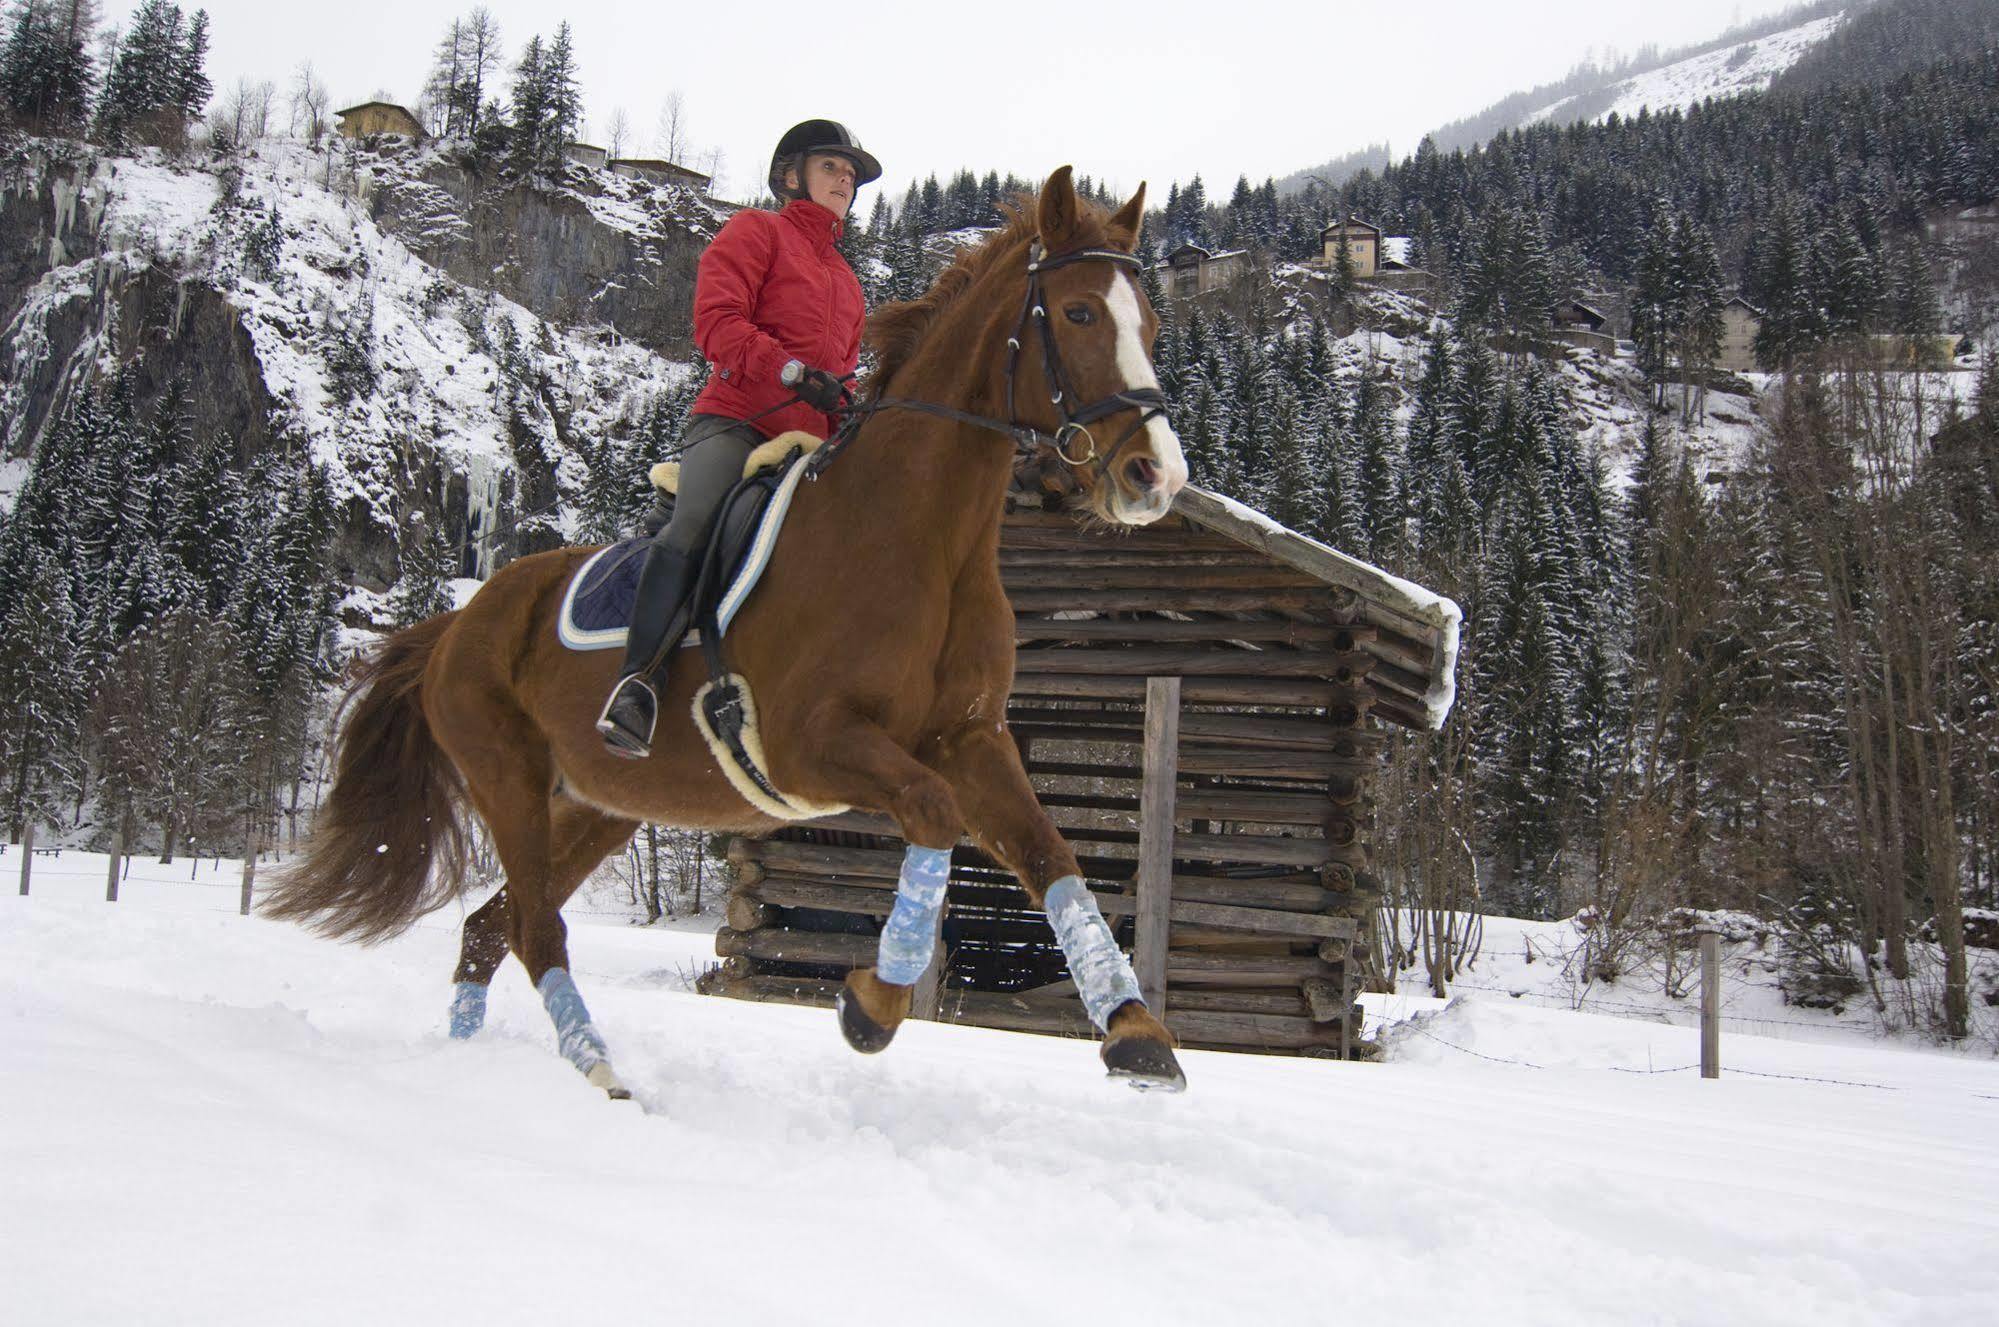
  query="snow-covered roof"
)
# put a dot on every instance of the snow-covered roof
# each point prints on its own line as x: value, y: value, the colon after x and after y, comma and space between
x: 1396, y: 249
x: 1737, y: 299
x: 1421, y: 618
x: 1352, y: 223
x: 386, y: 105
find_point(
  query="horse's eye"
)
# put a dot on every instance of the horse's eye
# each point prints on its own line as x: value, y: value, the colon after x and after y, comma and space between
x: 1079, y: 314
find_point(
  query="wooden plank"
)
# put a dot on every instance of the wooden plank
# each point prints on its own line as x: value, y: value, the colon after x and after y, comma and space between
x: 1083, y: 599
x: 1249, y: 1031
x: 1300, y: 692
x: 1011, y: 556
x: 1154, y: 878
x: 1116, y: 574
x: 27, y: 855
x: 1335, y: 568
x: 1157, y: 629
x: 786, y: 946
x: 1164, y: 661
x: 1202, y: 969
x: 1265, y: 919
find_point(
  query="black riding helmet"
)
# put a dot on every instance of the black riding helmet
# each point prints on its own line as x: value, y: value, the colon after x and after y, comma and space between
x: 828, y: 136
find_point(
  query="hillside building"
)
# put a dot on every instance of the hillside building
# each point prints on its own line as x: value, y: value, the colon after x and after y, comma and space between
x: 378, y: 117
x: 1362, y: 241
x: 587, y: 154
x: 1740, y: 321
x: 1193, y: 270
x: 653, y: 171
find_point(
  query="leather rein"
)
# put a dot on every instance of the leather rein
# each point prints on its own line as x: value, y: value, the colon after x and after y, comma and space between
x: 1150, y: 402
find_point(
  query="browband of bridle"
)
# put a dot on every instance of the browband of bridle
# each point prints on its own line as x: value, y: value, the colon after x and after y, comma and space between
x: 1150, y: 402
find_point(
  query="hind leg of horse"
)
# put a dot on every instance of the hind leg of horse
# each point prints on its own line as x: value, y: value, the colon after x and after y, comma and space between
x: 1006, y: 820
x: 869, y: 769
x: 583, y: 837
x: 480, y: 953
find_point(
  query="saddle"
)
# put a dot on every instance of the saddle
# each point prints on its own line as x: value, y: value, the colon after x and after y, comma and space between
x: 596, y: 608
x: 597, y: 605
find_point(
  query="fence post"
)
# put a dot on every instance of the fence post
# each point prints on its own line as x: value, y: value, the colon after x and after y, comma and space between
x: 1161, y: 772
x: 117, y: 860
x: 27, y: 855
x: 1710, y: 1004
x: 249, y: 869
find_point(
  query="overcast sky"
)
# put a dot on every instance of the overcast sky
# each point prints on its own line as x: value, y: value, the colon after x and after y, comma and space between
x: 1124, y: 93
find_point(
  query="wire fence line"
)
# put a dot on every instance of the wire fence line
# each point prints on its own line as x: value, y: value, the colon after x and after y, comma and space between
x: 1590, y: 1003
x: 1674, y: 1069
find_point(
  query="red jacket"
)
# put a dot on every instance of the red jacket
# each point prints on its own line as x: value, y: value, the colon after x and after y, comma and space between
x: 772, y: 287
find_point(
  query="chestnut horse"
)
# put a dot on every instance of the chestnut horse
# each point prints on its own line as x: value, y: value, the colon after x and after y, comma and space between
x: 879, y: 645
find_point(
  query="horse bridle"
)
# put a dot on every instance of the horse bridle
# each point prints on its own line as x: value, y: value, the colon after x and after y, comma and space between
x: 1150, y: 402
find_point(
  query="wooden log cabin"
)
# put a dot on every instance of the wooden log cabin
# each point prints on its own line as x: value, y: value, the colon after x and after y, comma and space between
x: 1199, y: 703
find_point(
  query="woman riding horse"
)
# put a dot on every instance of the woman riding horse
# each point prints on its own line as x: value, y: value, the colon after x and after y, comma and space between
x: 879, y: 644
x: 778, y: 314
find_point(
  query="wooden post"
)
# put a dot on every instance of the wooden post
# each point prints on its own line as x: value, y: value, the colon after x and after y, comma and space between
x: 27, y: 855
x: 1710, y: 1004
x: 1161, y: 773
x: 927, y: 1000
x: 117, y: 860
x: 249, y: 870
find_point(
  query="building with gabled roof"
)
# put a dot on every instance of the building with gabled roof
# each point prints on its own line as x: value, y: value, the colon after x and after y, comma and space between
x: 379, y: 117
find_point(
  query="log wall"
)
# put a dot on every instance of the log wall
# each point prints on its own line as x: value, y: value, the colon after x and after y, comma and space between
x: 1251, y: 838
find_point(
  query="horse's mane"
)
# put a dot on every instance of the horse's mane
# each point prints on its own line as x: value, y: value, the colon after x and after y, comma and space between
x: 895, y: 331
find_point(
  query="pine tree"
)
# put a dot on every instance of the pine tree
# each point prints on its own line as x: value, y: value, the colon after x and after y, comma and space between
x: 190, y: 87
x: 564, y: 98
x: 141, y: 97
x: 1913, y: 311
x: 1376, y: 469
x: 42, y: 692
x: 428, y: 562
x: 530, y: 109
x: 46, y: 67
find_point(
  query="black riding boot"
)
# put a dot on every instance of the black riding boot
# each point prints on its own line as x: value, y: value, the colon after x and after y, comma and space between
x: 658, y: 617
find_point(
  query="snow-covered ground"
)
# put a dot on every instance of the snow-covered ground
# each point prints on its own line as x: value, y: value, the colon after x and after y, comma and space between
x: 1747, y: 66
x: 211, y: 1119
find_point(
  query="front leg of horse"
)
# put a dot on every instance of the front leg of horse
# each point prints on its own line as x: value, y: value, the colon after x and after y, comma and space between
x: 1007, y: 821
x: 865, y: 767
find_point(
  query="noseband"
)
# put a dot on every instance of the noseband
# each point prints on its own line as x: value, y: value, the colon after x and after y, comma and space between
x: 1150, y: 402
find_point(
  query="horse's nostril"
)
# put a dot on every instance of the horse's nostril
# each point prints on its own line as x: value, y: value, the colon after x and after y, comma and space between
x: 1144, y: 472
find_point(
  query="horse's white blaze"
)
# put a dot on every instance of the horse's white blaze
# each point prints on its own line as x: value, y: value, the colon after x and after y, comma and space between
x: 1135, y: 367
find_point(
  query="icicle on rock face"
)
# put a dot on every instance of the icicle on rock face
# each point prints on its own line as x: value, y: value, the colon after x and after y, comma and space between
x: 911, y: 933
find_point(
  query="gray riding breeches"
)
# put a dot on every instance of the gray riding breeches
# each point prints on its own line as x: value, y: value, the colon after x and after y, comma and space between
x: 710, y: 464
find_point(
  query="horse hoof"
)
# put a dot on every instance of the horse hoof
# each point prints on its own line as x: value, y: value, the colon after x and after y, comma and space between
x: 862, y: 1032
x: 600, y: 1075
x: 1147, y: 1065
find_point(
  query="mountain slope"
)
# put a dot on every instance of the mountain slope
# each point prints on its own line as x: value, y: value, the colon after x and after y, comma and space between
x: 1745, y: 66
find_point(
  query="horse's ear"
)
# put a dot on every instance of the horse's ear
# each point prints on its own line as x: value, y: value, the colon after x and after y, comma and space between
x: 1125, y: 224
x: 1055, y: 217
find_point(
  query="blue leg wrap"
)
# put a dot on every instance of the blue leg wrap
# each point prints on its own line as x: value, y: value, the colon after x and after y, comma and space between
x: 1103, y: 975
x: 577, y: 1036
x: 911, y: 934
x: 468, y: 1009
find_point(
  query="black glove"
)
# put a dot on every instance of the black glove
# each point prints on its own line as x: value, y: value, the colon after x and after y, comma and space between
x: 821, y: 390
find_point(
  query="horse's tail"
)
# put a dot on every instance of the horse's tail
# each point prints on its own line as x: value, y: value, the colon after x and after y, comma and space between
x: 389, y: 844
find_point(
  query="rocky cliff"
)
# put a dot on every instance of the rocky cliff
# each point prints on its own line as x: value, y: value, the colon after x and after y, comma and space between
x: 442, y: 340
